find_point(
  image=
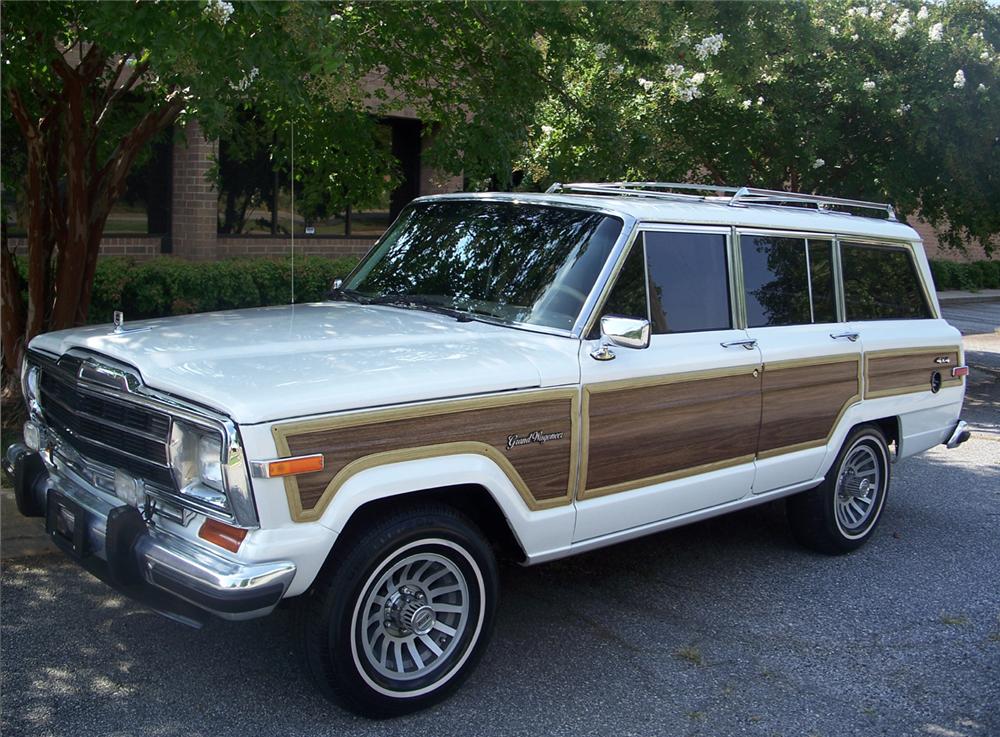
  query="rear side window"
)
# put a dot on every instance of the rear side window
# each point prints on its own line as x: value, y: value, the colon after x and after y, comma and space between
x: 688, y: 282
x: 881, y: 283
x: 787, y: 281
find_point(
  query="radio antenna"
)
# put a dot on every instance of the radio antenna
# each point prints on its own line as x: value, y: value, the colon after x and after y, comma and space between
x: 293, y: 213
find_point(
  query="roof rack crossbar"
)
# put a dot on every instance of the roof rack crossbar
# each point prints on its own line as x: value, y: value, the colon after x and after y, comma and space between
x: 751, y: 195
x: 738, y: 196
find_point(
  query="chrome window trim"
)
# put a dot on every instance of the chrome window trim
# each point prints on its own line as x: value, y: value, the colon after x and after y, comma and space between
x: 809, y: 284
x: 235, y: 470
x: 909, y: 247
x: 641, y: 228
x: 838, y: 281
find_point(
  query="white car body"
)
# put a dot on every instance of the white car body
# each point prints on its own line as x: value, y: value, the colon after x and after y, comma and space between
x: 269, y: 368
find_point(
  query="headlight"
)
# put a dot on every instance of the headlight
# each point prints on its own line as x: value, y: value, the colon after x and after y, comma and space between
x: 196, y: 462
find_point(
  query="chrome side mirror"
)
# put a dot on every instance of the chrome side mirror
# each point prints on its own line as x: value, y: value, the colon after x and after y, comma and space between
x: 337, y: 284
x: 626, y: 332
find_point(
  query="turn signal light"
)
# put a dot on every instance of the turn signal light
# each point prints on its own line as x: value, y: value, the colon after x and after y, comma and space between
x: 292, y: 466
x: 960, y: 371
x: 221, y: 534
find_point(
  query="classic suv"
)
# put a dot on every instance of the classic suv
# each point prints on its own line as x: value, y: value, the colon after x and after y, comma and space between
x: 538, y: 375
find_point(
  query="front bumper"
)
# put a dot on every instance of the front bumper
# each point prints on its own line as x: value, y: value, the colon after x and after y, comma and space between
x: 162, y: 570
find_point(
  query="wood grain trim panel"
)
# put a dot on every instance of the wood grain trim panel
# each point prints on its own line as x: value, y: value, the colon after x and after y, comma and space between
x: 646, y: 431
x: 804, y: 400
x: 543, y: 473
x: 908, y: 370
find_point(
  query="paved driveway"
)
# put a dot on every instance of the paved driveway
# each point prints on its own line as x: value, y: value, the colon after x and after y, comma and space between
x: 721, y: 628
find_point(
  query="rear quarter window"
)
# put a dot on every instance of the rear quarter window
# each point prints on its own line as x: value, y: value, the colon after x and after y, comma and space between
x: 881, y: 283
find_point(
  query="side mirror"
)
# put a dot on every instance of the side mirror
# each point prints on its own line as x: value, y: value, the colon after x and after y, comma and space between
x: 626, y: 332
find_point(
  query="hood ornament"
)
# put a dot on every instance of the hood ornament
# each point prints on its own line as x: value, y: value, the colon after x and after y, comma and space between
x: 119, y: 322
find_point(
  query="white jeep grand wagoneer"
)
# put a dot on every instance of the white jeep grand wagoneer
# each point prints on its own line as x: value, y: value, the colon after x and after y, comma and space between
x: 537, y: 374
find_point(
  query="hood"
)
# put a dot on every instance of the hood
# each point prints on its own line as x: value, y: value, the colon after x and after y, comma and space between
x: 280, y: 362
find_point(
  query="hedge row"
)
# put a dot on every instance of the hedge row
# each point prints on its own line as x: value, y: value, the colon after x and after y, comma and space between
x: 966, y: 277
x: 171, y: 286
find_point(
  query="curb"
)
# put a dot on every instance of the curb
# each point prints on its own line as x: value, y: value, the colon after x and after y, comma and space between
x: 957, y: 298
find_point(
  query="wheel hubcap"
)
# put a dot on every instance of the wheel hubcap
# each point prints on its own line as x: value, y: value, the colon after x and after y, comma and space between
x: 414, y: 615
x: 858, y: 488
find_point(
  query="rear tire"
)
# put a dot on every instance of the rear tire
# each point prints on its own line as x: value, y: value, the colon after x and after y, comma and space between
x: 841, y: 514
x: 401, y: 618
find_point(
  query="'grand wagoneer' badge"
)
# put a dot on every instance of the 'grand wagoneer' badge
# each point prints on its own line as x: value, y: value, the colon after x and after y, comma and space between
x: 535, y: 437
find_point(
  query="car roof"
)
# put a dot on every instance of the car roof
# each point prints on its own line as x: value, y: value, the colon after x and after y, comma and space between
x: 708, y: 211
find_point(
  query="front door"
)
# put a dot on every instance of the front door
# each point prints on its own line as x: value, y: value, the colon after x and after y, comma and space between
x: 672, y: 428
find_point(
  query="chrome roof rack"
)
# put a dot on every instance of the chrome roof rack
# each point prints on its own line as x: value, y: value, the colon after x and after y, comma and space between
x: 733, y: 196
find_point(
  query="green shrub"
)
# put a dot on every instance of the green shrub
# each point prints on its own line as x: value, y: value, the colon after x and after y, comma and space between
x: 968, y: 277
x: 171, y: 286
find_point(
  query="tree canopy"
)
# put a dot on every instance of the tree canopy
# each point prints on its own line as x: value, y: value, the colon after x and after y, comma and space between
x: 895, y: 101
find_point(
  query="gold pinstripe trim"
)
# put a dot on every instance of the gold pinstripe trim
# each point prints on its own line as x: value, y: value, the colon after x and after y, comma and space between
x: 850, y: 402
x: 916, y: 388
x: 282, y: 432
x: 622, y: 384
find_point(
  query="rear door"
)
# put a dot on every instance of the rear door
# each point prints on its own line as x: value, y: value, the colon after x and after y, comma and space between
x: 812, y: 361
x: 672, y: 428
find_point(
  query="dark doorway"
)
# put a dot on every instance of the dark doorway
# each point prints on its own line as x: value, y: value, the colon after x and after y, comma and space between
x: 406, y: 149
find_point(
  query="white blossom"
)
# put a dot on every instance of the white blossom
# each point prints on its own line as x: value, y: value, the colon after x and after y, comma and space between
x: 601, y: 50
x: 981, y: 87
x: 336, y: 17
x: 868, y: 85
x: 936, y: 33
x: 219, y: 11
x: 876, y: 15
x: 862, y: 11
x: 548, y: 130
x: 698, y: 78
x: 818, y: 163
x: 646, y: 84
x: 904, y: 108
x: 959, y: 82
x: 673, y: 71
x: 619, y: 68
x: 760, y: 101
x: 985, y: 56
x: 745, y: 105
x: 708, y: 46
x: 902, y: 25
x: 834, y: 30
x: 922, y: 13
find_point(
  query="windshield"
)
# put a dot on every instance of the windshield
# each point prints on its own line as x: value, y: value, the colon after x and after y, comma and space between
x: 510, y: 262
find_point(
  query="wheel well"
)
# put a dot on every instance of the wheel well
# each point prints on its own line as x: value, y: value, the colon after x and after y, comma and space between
x: 890, y: 428
x: 472, y: 500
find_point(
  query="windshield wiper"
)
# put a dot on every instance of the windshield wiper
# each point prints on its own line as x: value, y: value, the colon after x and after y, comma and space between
x: 348, y: 295
x: 421, y: 302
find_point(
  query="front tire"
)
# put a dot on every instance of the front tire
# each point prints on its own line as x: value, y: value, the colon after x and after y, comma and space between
x: 841, y: 514
x: 402, y: 618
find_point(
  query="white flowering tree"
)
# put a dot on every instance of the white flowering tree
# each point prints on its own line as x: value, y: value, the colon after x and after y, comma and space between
x: 875, y: 100
x: 87, y: 86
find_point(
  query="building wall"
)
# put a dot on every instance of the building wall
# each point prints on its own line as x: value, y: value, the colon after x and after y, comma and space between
x: 278, y: 246
x: 934, y: 249
x: 195, y: 210
x: 139, y: 247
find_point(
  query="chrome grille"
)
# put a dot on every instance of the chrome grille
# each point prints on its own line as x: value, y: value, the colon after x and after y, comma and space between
x: 118, y: 434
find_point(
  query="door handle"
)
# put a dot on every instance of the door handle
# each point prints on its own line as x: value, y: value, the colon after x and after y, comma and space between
x: 748, y: 343
x: 853, y: 337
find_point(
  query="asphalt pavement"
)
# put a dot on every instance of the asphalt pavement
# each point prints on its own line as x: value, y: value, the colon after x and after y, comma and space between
x: 721, y: 628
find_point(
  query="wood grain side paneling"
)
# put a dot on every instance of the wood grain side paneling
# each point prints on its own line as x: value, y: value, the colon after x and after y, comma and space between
x: 543, y: 469
x: 804, y: 400
x: 636, y: 433
x: 908, y: 370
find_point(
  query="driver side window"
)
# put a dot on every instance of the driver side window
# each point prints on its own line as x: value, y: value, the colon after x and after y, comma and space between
x: 628, y: 295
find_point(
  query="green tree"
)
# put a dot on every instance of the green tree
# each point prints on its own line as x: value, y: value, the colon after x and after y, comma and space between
x: 876, y: 100
x: 88, y: 85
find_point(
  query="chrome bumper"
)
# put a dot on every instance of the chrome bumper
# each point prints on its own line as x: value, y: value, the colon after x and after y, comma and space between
x: 959, y: 435
x: 162, y: 570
